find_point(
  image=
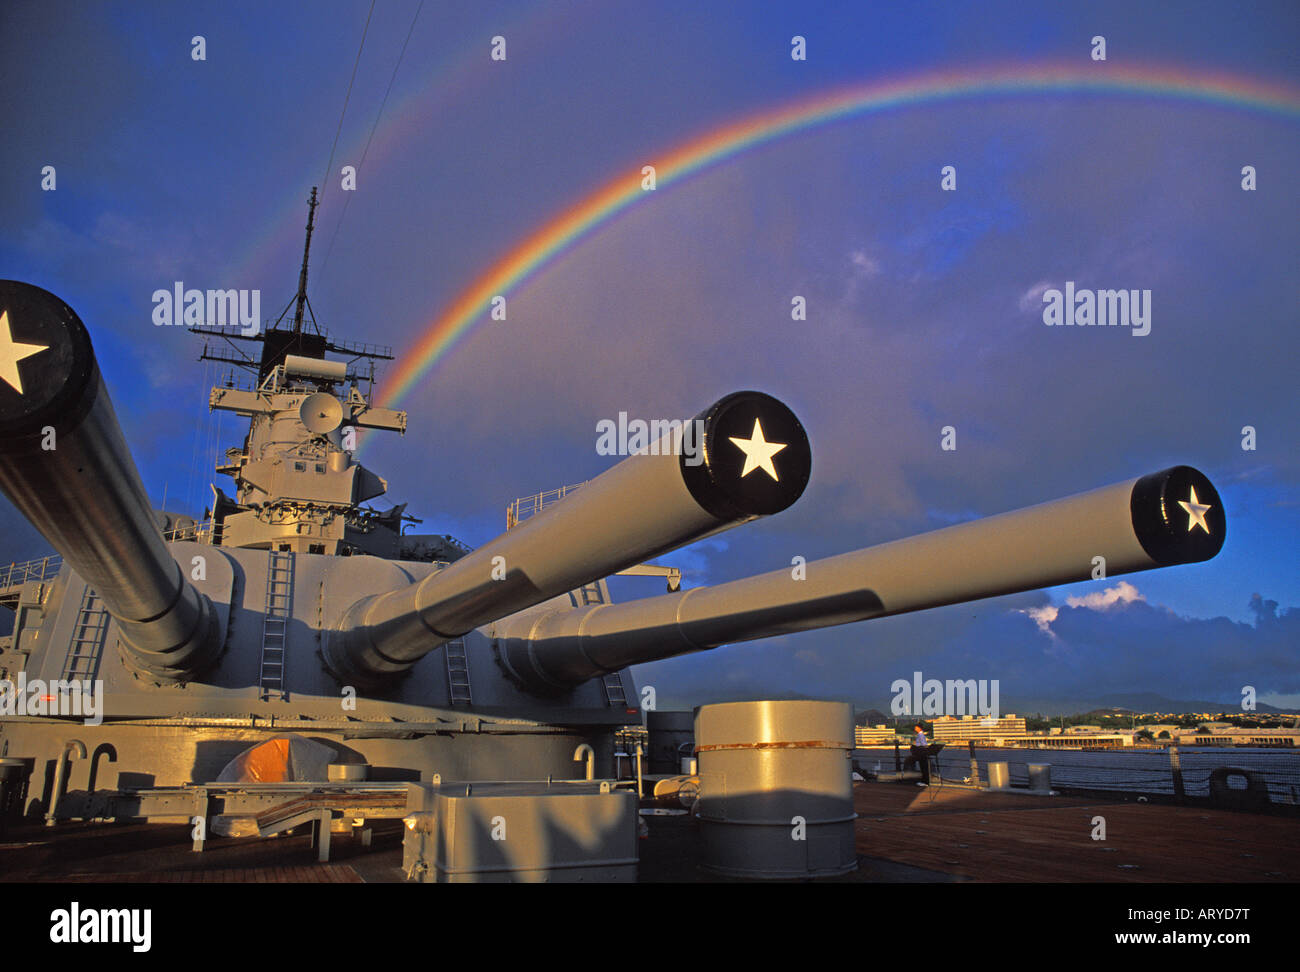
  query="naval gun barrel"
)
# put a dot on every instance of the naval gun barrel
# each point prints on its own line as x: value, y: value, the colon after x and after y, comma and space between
x: 65, y: 465
x: 743, y: 457
x: 1170, y: 517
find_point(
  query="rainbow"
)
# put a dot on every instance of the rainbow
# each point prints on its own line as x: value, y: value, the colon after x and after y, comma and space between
x: 688, y: 158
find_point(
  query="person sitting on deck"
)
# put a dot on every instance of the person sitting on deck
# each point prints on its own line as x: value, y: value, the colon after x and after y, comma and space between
x: 920, y: 755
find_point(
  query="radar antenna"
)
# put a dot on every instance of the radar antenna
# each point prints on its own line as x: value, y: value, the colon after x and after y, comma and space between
x: 278, y: 341
x: 302, y: 276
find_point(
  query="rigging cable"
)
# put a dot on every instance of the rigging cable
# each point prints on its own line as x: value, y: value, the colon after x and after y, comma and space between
x: 348, y: 97
x: 194, y: 450
x: 373, y: 128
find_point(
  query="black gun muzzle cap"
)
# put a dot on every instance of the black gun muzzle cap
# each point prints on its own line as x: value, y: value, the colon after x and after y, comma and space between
x: 753, y: 458
x: 47, y: 364
x: 1178, y: 516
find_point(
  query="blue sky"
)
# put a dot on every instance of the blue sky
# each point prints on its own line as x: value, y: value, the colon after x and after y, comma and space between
x: 921, y: 303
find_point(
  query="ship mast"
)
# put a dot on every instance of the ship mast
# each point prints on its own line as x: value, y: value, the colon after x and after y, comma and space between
x: 284, y: 338
x: 302, y: 275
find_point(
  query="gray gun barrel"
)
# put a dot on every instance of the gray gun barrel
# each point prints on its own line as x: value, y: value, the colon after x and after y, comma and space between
x: 1170, y: 517
x: 66, y: 467
x: 743, y: 457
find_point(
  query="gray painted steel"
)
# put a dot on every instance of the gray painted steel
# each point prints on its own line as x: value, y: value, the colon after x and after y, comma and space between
x: 776, y: 788
x: 587, y: 536
x: 1040, y: 777
x: 520, y: 832
x: 999, y: 776
x: 678, y: 791
x: 74, y: 480
x: 299, y: 610
x: 1041, y: 546
x: 671, y: 738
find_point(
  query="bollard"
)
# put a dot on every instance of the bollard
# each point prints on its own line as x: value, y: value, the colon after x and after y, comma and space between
x: 1040, y: 778
x: 974, y: 765
x: 999, y: 776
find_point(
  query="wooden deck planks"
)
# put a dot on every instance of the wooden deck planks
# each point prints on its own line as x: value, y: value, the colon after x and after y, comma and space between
x: 1018, y: 837
x: 319, y: 874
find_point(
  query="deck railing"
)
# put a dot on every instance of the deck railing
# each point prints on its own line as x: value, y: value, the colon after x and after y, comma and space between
x: 1153, y: 771
x: 526, y: 506
x: 20, y: 572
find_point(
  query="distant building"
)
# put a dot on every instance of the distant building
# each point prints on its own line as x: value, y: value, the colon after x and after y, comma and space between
x: 1156, y: 728
x: 1287, y: 738
x: 864, y: 736
x: 1081, y: 740
x: 980, y: 729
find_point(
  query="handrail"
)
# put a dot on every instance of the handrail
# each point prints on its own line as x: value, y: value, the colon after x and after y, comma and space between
x: 22, y: 571
x: 526, y: 506
x: 201, y: 532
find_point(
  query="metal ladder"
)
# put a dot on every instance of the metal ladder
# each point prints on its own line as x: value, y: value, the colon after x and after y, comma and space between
x: 615, y: 694
x: 275, y: 624
x: 87, y: 638
x: 457, y: 672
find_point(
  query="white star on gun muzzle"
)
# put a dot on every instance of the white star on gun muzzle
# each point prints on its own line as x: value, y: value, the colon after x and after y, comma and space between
x: 758, y: 452
x: 11, y: 352
x: 1196, y: 511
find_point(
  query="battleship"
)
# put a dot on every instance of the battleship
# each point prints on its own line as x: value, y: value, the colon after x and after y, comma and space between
x: 292, y: 657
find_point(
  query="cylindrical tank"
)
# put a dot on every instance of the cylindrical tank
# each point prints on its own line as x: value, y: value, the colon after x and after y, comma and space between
x: 67, y: 468
x: 776, y: 788
x: 347, y: 772
x: 668, y: 731
x: 674, y: 491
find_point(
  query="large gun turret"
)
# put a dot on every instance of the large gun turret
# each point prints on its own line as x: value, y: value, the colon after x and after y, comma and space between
x: 67, y: 468
x: 743, y: 457
x: 1170, y: 517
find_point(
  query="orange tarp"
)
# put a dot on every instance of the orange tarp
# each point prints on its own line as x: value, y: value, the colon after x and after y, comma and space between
x: 266, y: 763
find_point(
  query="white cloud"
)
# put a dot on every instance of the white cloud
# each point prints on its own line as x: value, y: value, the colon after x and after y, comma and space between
x: 1043, y: 616
x: 864, y: 263
x: 1032, y: 298
x: 1121, y: 594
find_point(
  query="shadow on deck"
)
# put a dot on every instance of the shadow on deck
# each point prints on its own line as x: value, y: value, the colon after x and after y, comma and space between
x: 977, y: 835
x: 904, y: 834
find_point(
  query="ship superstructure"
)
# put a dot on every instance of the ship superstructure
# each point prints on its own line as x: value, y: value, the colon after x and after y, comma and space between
x: 295, y: 610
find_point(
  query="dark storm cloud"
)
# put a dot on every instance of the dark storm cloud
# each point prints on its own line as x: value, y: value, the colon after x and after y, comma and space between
x: 1086, y: 653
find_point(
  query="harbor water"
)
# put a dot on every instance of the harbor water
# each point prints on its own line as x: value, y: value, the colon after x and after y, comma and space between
x: 1136, y: 770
